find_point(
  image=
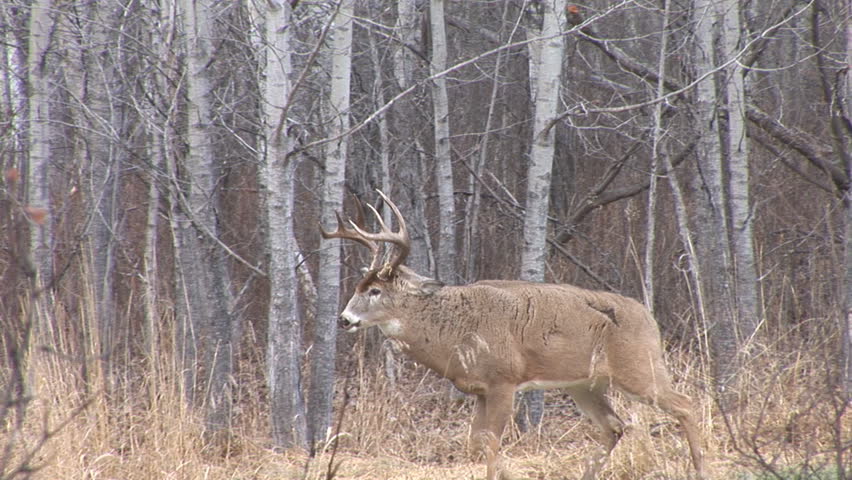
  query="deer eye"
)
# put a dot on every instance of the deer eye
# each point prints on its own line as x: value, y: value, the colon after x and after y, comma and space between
x: 374, y: 292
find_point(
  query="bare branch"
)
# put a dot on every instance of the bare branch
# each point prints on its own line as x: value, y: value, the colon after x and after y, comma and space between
x: 803, y: 143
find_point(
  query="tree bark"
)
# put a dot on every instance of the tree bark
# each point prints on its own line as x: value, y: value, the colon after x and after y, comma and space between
x: 38, y: 136
x: 543, y: 146
x: 322, y: 370
x: 742, y: 237
x: 443, y: 161
x: 711, y: 228
x: 657, y: 162
x: 205, y: 266
x: 276, y: 178
x: 534, y: 254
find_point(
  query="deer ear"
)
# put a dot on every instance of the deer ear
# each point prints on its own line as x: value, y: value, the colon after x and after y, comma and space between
x: 429, y: 286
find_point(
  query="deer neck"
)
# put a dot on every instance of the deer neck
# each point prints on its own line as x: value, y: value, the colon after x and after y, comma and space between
x: 428, y: 333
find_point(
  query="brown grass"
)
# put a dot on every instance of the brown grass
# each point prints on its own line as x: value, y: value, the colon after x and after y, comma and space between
x: 788, y: 419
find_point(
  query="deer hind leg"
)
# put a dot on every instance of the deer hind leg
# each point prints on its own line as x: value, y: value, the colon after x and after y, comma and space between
x: 680, y: 407
x: 658, y: 391
x: 593, y: 403
x: 493, y: 411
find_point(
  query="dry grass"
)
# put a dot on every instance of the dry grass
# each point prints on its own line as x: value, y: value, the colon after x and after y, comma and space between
x: 788, y: 421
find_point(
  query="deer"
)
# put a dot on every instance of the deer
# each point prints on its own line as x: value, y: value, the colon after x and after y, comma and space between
x: 493, y: 338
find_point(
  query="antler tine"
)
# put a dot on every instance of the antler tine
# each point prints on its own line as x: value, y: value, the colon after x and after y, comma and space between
x: 355, y: 233
x: 400, y: 239
x: 359, y: 211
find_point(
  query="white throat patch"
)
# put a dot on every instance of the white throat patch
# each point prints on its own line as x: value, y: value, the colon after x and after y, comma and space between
x: 391, y: 328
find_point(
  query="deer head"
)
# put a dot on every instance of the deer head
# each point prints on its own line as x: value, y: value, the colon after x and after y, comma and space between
x: 385, y: 283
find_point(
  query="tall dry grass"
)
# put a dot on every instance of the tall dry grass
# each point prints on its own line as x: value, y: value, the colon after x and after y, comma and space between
x: 788, y: 421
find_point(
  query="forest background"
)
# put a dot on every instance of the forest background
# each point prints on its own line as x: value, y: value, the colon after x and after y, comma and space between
x: 168, y: 308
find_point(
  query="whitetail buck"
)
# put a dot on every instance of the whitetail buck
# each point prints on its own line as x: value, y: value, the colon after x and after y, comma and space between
x: 493, y: 338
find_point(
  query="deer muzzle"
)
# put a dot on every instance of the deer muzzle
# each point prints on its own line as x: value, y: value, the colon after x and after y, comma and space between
x: 348, y: 323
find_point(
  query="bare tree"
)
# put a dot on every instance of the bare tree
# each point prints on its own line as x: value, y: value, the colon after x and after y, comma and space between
x: 322, y: 369
x: 737, y: 149
x: 710, y: 219
x: 534, y: 252
x: 443, y: 161
x: 39, y: 134
x: 385, y: 152
x: 473, y: 207
x: 277, y: 174
x: 657, y: 162
x: 203, y: 260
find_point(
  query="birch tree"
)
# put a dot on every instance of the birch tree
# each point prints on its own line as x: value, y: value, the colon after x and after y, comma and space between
x: 737, y: 148
x: 39, y: 133
x: 443, y: 161
x: 277, y: 176
x: 710, y: 218
x: 322, y: 370
x: 657, y: 151
x: 548, y: 85
x: 203, y: 259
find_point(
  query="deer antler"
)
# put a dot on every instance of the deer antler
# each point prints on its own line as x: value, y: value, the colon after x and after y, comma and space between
x: 355, y: 233
x: 400, y: 238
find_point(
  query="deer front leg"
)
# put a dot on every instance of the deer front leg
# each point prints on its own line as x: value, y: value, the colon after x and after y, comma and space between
x: 477, y: 438
x: 493, y: 411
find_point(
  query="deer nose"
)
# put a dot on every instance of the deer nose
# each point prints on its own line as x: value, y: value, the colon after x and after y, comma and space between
x: 346, y: 323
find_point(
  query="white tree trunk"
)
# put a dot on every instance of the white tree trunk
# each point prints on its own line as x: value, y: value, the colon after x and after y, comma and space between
x: 443, y: 161
x: 548, y: 86
x: 276, y: 176
x: 322, y: 368
x: 657, y: 151
x: 205, y: 262
x: 534, y: 254
x: 742, y: 238
x: 535, y: 12
x: 39, y: 134
x: 406, y: 27
x: 710, y: 218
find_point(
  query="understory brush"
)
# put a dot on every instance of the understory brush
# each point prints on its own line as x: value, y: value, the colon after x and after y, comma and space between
x: 787, y: 422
